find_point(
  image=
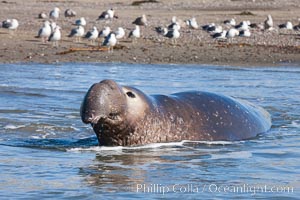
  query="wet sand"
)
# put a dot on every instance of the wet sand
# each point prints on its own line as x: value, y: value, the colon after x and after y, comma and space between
x: 263, y: 48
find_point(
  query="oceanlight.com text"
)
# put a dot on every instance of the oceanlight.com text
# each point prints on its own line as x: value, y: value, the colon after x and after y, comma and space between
x: 212, y: 188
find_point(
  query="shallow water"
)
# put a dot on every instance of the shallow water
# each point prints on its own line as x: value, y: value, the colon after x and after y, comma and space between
x: 47, y: 152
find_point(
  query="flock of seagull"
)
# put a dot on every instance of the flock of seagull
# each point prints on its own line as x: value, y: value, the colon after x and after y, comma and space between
x: 50, y: 31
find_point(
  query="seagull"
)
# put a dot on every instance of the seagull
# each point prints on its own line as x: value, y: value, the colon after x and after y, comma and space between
x: 208, y: 26
x: 136, y: 33
x: 174, y: 19
x: 54, y: 14
x: 55, y: 36
x: 140, y: 21
x: 288, y: 25
x: 174, y: 25
x: 80, y: 22
x: 45, y: 31
x: 297, y: 27
x: 230, y: 22
x: 161, y: 30
x: 258, y: 26
x: 120, y: 33
x: 104, y: 33
x: 42, y: 15
x: 215, y: 29
x: 221, y: 35
x: 245, y: 33
x: 77, y: 32
x: 70, y: 13
x: 192, y: 23
x: 232, y: 33
x: 244, y: 25
x: 52, y: 25
x: 11, y: 24
x: 268, y: 23
x: 92, y: 35
x: 178, y: 22
x: 173, y: 34
x: 108, y: 14
x: 110, y: 41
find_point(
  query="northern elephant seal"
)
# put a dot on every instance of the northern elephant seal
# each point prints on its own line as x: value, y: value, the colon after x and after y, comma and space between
x: 125, y: 116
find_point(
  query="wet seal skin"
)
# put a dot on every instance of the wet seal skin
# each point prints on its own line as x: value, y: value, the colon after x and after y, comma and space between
x: 125, y: 116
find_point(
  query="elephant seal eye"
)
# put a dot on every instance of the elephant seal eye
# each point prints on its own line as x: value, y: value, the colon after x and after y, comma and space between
x: 130, y: 94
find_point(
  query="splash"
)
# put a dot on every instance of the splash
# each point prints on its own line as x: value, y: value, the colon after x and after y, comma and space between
x: 120, y: 148
x: 149, y: 146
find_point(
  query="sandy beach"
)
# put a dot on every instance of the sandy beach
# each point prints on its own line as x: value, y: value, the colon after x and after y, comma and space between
x: 263, y: 48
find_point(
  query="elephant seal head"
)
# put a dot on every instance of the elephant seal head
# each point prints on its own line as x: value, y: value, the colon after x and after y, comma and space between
x: 113, y: 111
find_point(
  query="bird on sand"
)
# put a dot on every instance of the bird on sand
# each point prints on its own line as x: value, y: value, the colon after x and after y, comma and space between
x: 297, y: 27
x: 42, y: 15
x: 45, y: 31
x: 221, y: 35
x: 245, y: 33
x: 268, y: 23
x: 192, y: 23
x: 244, y: 25
x: 77, y: 32
x: 231, y: 33
x: 135, y: 33
x: 173, y: 34
x: 110, y: 41
x: 160, y: 30
x: 55, y: 36
x: 120, y: 33
x: 80, y: 22
x: 70, y: 13
x: 11, y: 24
x: 288, y: 25
x: 92, y: 35
x: 230, y: 22
x: 107, y: 15
x: 104, y: 33
x: 54, y: 14
x: 141, y: 21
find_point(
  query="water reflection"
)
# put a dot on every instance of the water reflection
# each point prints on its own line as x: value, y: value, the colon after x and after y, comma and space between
x: 125, y: 169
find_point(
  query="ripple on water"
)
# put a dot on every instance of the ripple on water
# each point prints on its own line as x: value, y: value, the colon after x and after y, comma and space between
x: 41, y: 128
x: 44, y: 143
x: 295, y: 124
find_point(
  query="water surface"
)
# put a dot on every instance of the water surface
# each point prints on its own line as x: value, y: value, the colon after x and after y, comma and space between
x: 47, y: 152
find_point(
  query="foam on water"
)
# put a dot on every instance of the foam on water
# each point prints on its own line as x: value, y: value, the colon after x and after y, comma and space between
x: 151, y: 146
x: 43, y: 136
x: 213, y: 142
x: 118, y: 148
x: 13, y: 127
